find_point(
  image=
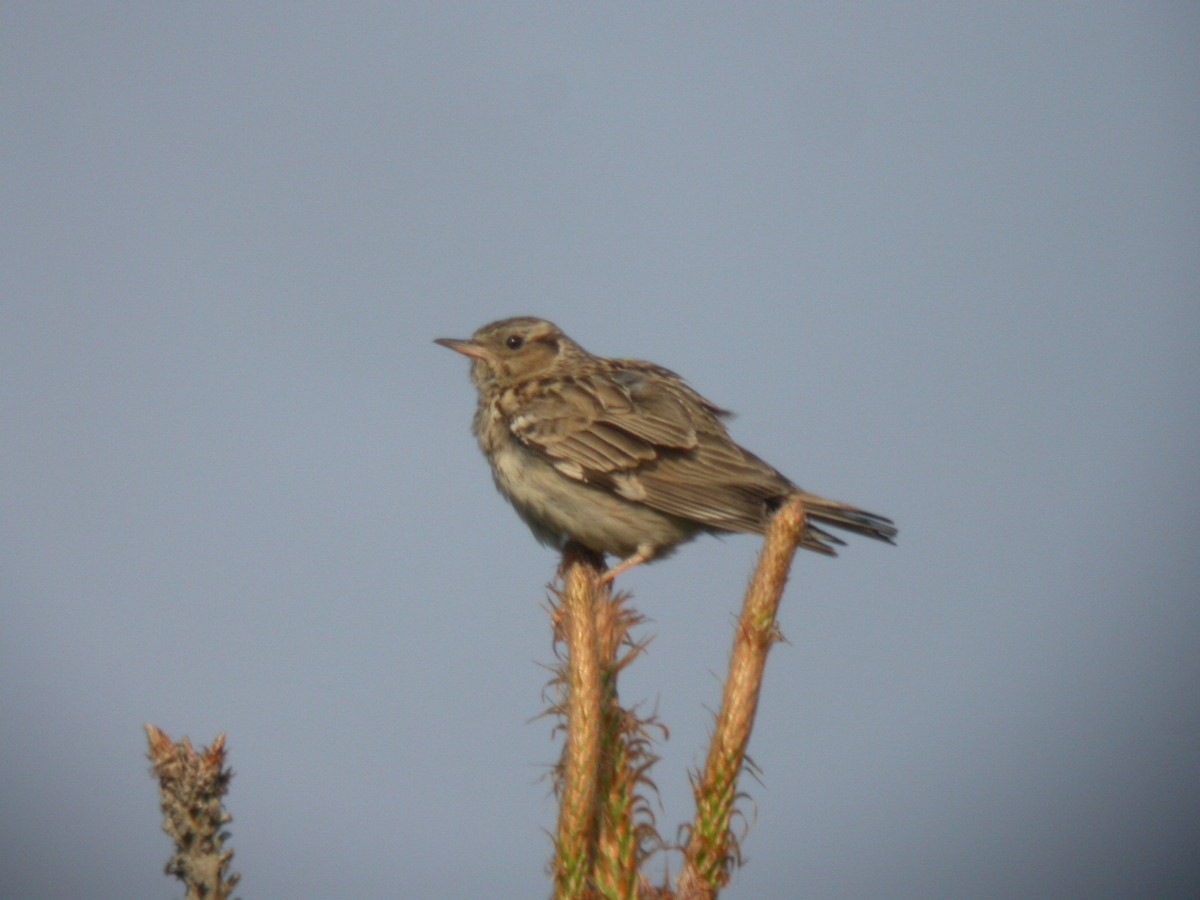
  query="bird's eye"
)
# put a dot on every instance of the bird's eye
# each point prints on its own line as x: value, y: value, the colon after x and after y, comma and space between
x: 514, y: 342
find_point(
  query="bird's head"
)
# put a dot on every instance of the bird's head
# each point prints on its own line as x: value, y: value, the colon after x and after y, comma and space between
x: 514, y: 350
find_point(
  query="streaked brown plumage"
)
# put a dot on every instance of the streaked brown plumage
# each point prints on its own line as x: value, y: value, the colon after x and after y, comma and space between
x: 621, y: 455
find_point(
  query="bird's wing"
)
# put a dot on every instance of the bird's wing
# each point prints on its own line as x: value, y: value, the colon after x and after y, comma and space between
x: 594, y: 428
x: 648, y: 437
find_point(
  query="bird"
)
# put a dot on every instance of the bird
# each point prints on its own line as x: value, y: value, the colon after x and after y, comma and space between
x: 622, y: 456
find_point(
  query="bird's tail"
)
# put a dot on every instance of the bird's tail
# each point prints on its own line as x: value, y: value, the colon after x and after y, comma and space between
x: 840, y: 515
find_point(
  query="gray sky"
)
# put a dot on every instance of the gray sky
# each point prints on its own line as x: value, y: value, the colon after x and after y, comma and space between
x: 943, y: 259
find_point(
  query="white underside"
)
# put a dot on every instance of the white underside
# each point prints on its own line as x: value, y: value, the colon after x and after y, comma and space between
x: 558, y: 508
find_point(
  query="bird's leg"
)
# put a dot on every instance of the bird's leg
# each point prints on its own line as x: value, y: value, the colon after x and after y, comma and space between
x: 643, y: 555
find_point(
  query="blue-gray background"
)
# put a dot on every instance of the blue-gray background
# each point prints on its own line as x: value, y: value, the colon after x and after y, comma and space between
x: 943, y: 259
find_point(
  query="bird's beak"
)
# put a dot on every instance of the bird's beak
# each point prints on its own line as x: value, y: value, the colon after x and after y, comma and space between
x: 467, y: 348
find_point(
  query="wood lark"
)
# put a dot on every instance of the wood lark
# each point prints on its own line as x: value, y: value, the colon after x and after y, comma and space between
x: 620, y: 455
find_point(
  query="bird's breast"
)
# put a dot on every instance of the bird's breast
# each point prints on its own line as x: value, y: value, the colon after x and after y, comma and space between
x: 491, y: 427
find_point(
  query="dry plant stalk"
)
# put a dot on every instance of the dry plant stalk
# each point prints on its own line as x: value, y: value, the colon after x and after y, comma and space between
x: 626, y: 834
x: 579, y: 789
x: 712, y: 849
x: 605, y: 828
x: 191, y: 789
x: 599, y: 852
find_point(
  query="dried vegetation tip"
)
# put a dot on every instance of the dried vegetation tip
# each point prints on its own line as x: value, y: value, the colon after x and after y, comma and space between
x: 618, y: 827
x: 192, y: 787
